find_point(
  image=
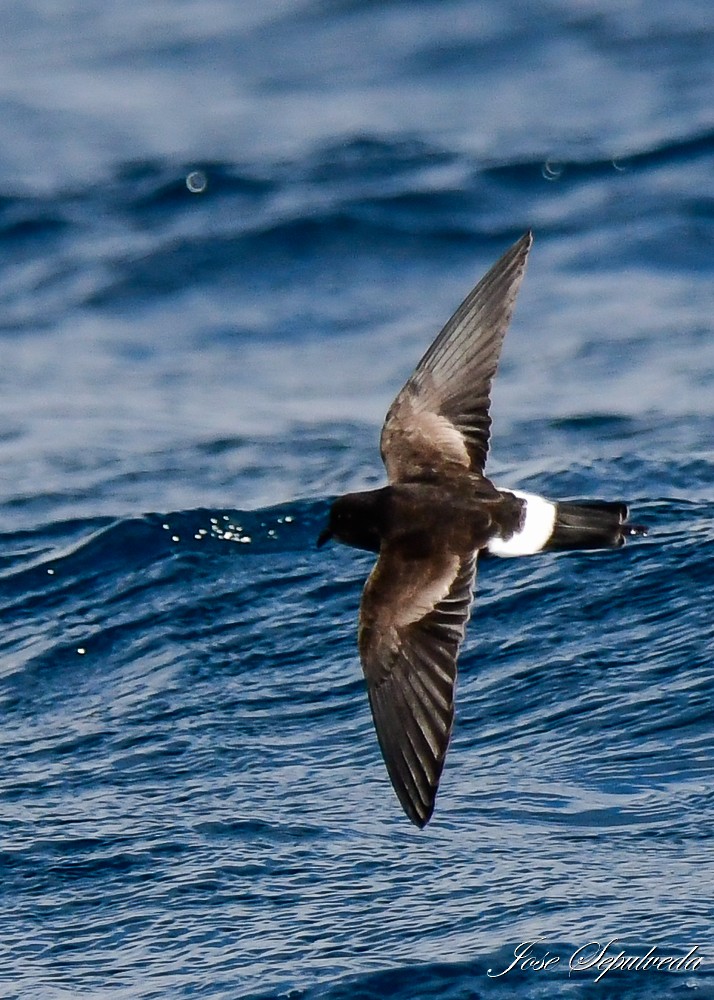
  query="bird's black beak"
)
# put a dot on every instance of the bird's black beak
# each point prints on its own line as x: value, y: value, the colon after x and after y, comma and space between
x: 325, y: 536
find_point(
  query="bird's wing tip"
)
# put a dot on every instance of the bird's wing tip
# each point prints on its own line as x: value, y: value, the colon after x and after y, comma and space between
x: 525, y: 243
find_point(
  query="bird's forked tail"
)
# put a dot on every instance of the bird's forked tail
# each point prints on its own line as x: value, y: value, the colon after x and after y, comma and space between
x: 547, y: 525
x: 591, y: 524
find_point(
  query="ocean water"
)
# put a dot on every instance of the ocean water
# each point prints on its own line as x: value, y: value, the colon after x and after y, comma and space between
x: 192, y: 800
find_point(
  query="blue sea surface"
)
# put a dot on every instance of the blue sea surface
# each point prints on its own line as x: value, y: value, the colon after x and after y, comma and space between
x: 192, y: 799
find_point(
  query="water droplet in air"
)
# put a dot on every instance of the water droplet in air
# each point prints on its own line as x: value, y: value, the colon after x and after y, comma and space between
x: 196, y: 182
x: 552, y: 170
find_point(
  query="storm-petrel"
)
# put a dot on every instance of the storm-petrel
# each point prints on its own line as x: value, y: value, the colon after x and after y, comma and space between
x: 429, y: 525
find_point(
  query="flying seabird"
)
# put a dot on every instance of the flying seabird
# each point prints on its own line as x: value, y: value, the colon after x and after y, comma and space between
x: 429, y: 525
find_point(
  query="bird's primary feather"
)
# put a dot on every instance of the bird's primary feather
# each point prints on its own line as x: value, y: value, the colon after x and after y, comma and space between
x: 441, y: 416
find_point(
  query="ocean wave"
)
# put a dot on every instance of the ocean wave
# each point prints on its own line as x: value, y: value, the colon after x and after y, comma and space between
x: 193, y: 796
x: 373, y: 195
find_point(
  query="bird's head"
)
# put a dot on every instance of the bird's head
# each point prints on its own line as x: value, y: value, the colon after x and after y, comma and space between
x: 354, y: 520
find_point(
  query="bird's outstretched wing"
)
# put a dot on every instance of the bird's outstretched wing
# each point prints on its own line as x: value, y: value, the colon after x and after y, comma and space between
x: 441, y: 416
x: 412, y: 622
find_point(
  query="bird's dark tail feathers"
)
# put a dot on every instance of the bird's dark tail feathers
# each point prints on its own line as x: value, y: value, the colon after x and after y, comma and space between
x: 591, y: 524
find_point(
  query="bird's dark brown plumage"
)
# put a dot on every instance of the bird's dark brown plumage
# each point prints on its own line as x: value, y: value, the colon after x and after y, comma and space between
x: 429, y: 525
x: 441, y: 416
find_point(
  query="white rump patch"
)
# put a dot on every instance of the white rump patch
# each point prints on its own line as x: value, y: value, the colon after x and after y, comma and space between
x: 536, y: 531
